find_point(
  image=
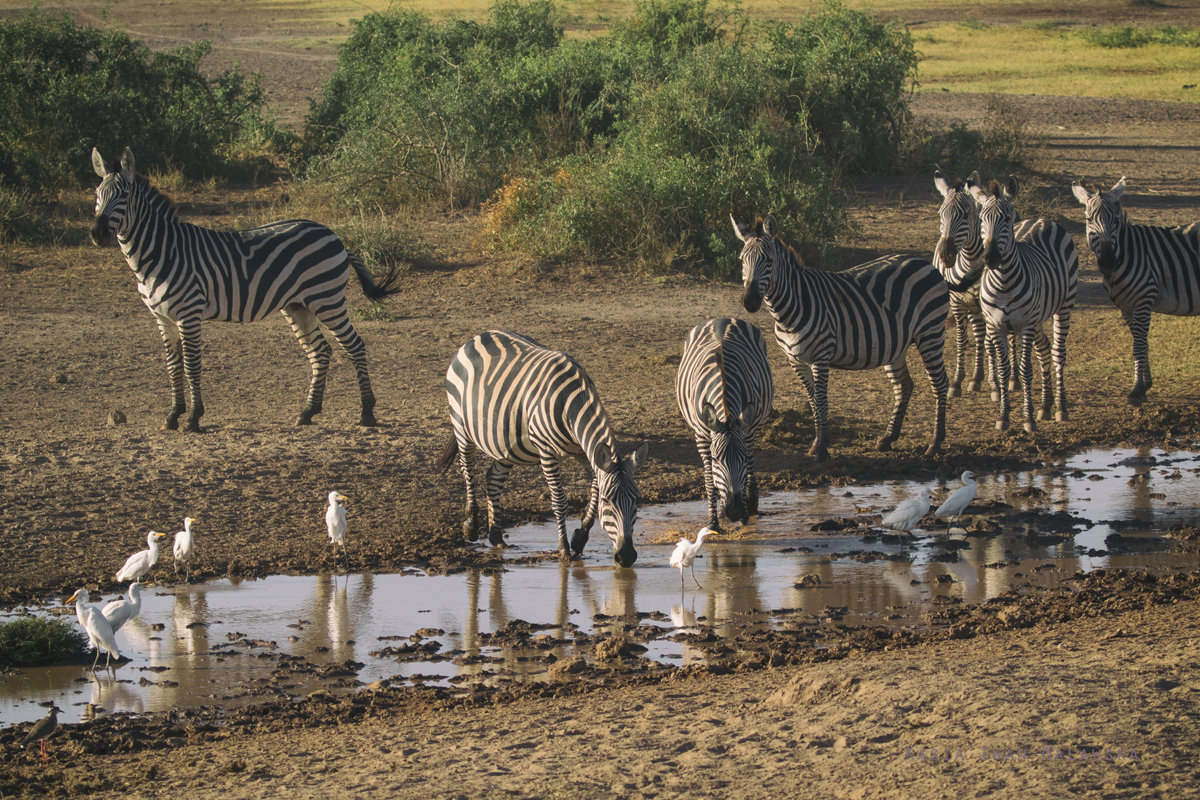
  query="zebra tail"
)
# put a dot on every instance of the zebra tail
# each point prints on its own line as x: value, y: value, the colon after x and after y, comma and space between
x: 448, y: 455
x: 373, y: 289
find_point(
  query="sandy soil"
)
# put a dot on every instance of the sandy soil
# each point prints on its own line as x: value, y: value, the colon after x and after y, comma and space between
x: 77, y: 495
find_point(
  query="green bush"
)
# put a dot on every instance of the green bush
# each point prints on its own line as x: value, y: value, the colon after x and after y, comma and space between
x: 35, y: 641
x: 1129, y: 36
x: 636, y: 145
x: 66, y: 89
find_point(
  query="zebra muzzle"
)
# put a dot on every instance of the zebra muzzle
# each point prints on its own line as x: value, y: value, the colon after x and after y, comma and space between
x: 752, y: 299
x: 735, y: 509
x: 1106, y: 257
x: 100, y: 232
x: 991, y: 253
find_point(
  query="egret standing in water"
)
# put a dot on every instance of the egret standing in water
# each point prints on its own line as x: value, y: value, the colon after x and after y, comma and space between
x: 685, y: 555
x: 123, y: 609
x: 138, y: 564
x: 80, y: 599
x: 102, y: 634
x: 335, y: 522
x: 41, y: 731
x: 957, y: 503
x: 906, y: 515
x: 184, y: 547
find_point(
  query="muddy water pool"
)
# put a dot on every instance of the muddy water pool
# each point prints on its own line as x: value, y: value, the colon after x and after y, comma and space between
x: 235, y: 642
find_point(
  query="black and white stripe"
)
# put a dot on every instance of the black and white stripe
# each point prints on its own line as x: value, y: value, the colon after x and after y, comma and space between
x: 959, y: 257
x: 521, y: 403
x: 725, y: 391
x: 1024, y: 284
x: 1145, y: 268
x: 187, y: 274
x: 862, y: 318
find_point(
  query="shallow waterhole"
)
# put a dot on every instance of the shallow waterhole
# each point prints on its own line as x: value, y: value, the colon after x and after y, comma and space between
x: 237, y: 642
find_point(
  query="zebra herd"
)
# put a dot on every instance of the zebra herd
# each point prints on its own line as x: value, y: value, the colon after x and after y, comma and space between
x: 520, y: 402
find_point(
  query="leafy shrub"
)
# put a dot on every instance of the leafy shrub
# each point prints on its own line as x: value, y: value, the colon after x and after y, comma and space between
x: 19, y: 214
x: 65, y: 89
x: 35, y: 641
x: 999, y: 144
x: 1129, y: 36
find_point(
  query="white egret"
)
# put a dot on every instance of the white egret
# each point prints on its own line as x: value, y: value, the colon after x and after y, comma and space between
x: 335, y: 522
x: 957, y: 502
x: 138, y: 564
x: 41, y: 731
x: 123, y: 609
x: 685, y: 555
x: 102, y: 633
x: 80, y: 599
x: 905, y: 516
x: 184, y: 546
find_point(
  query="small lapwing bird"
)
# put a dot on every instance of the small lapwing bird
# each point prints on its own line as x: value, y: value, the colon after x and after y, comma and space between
x: 41, y: 731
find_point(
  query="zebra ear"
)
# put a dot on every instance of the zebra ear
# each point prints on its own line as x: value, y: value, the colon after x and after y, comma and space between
x: 1118, y: 189
x: 940, y: 183
x: 127, y: 163
x: 974, y: 178
x: 1011, y: 187
x: 740, y: 230
x: 98, y: 163
x: 771, y: 226
x: 637, y: 458
x: 977, y: 191
x: 603, y: 458
x: 749, y: 412
x: 1080, y: 192
x: 708, y: 414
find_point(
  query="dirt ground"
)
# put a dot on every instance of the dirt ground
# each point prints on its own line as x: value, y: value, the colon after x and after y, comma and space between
x: 77, y: 495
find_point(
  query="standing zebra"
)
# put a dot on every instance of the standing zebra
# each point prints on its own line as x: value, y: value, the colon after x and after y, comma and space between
x: 522, y: 403
x: 187, y: 274
x: 862, y: 318
x: 959, y: 257
x: 1024, y: 284
x: 725, y: 391
x: 1145, y: 268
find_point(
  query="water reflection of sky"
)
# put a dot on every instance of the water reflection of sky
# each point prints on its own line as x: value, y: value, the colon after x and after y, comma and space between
x: 195, y: 632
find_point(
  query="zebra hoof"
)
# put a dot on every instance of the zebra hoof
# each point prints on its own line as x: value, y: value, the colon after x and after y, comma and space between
x: 496, y: 536
x: 955, y: 391
x: 1031, y: 427
x: 933, y: 451
x: 170, y: 425
x: 995, y: 397
x: 470, y: 530
x: 1062, y: 416
x: 1135, y: 400
x: 884, y: 445
x: 579, y: 540
x: 368, y: 421
x: 974, y: 386
x: 1043, y: 415
x: 820, y: 455
x: 1001, y: 424
x: 193, y: 426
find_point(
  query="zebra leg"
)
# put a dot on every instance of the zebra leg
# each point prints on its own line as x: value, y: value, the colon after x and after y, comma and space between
x: 189, y: 330
x: 579, y: 539
x: 902, y: 386
x: 1062, y: 326
x: 1026, y: 373
x: 998, y: 339
x: 1041, y: 344
x: 710, y: 489
x: 979, y: 331
x: 172, y: 342
x: 466, y: 462
x: 931, y: 349
x: 339, y: 325
x: 960, y: 357
x: 1138, y: 321
x: 815, y: 380
x: 751, y: 479
x: 1015, y: 349
x: 497, y: 475
x: 308, y: 333
x: 558, y: 502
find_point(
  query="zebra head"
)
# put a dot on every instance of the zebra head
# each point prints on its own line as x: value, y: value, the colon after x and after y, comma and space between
x: 112, y: 195
x: 619, y: 498
x: 1104, y: 221
x: 997, y: 219
x: 959, y: 224
x: 758, y: 259
x: 730, y: 459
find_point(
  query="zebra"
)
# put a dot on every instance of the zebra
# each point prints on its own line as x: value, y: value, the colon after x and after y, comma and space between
x: 959, y: 257
x: 725, y: 392
x: 862, y: 318
x: 187, y: 274
x: 1144, y: 268
x: 1025, y: 283
x: 523, y: 403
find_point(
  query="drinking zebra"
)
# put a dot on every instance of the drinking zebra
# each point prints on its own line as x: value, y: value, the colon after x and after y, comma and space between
x: 959, y: 257
x: 725, y: 391
x: 862, y: 318
x: 523, y: 403
x: 1144, y: 268
x: 1024, y: 284
x: 187, y: 274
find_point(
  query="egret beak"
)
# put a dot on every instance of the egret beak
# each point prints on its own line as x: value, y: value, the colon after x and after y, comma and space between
x: 71, y: 599
x: 159, y: 535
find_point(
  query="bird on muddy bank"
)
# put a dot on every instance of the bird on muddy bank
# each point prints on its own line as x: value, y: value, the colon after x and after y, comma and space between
x: 957, y: 503
x: 138, y: 564
x: 41, y: 731
x: 335, y: 523
x: 907, y: 514
x: 184, y: 547
x: 685, y: 555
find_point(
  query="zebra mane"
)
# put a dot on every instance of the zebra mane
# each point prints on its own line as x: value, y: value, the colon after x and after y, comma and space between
x: 156, y: 196
x: 720, y: 355
x: 994, y: 188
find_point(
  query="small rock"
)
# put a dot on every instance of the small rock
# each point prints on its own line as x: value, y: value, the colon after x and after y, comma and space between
x: 808, y: 581
x: 568, y: 666
x: 116, y: 417
x: 59, y: 377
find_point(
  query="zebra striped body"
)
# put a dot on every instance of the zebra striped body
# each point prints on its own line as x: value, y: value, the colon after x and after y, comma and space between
x: 1024, y: 284
x: 521, y: 403
x: 725, y: 392
x: 862, y: 318
x: 187, y: 274
x: 1144, y: 268
x: 959, y: 257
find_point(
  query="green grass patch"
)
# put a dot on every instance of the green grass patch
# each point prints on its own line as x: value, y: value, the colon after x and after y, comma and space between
x: 36, y: 641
